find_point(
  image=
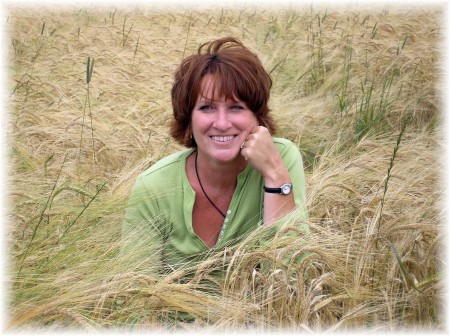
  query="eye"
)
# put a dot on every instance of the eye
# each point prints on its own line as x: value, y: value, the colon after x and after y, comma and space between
x: 205, y: 107
x: 236, y: 107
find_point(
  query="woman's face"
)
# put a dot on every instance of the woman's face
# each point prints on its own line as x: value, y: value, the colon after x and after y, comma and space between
x: 220, y: 125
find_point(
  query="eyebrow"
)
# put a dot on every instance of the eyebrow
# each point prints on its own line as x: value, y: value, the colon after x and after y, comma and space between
x: 209, y: 100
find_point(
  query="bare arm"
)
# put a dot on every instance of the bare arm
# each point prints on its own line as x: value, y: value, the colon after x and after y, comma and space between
x: 262, y: 154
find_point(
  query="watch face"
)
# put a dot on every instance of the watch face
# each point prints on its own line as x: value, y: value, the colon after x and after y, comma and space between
x: 286, y: 189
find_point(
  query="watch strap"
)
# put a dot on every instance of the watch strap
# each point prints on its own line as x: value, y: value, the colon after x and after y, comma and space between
x: 283, y: 190
x: 272, y: 190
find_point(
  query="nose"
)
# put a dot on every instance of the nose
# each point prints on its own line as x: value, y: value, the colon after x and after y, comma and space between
x: 222, y: 121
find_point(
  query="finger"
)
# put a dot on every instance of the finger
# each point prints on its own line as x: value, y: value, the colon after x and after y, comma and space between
x: 243, y: 154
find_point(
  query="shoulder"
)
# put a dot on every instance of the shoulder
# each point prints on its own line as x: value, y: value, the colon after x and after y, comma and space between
x: 166, y: 164
x: 165, y: 171
x: 285, y: 146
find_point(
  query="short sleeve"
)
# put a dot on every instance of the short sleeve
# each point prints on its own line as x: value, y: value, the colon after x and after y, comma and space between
x: 141, y: 234
x: 293, y: 161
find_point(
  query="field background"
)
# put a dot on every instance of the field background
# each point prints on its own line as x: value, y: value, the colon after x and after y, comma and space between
x: 358, y: 88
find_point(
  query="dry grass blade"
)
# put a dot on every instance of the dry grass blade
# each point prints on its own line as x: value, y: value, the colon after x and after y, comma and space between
x: 344, y: 82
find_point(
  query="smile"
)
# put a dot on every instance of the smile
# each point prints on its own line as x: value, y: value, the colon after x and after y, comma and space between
x: 223, y: 138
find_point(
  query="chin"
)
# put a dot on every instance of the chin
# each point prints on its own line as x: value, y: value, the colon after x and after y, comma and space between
x: 226, y: 157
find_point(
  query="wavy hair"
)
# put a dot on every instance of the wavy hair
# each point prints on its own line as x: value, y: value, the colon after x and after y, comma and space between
x: 237, y: 71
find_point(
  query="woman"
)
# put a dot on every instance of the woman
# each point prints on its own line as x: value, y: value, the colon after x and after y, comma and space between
x: 235, y: 176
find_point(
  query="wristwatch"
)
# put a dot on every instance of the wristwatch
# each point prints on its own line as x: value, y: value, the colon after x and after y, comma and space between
x: 285, y: 189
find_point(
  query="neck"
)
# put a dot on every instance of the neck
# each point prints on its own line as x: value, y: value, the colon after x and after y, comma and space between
x: 220, y: 175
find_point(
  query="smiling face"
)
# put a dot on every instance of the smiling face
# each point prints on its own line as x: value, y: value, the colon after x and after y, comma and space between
x: 220, y: 124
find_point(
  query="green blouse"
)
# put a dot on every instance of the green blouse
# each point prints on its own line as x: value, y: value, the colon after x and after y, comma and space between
x: 159, y: 214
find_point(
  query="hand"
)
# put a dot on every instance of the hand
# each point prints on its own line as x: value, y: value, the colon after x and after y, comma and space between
x: 262, y: 154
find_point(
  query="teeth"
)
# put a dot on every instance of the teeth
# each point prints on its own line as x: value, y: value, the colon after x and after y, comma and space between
x: 223, y: 138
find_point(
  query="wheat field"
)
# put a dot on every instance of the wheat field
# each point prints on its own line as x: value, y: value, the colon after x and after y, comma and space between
x: 359, y: 89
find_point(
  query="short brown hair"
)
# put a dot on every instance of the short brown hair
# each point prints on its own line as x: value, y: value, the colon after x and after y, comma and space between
x: 240, y: 73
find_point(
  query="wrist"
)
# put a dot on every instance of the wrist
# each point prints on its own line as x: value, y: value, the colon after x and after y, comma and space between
x: 285, y: 189
x: 277, y: 178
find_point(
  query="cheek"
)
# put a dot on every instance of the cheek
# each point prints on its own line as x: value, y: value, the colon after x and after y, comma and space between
x: 248, y: 122
x: 253, y: 120
x: 194, y: 121
x: 199, y: 124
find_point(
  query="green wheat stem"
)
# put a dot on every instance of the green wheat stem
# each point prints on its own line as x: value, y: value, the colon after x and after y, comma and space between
x: 135, y: 50
x: 74, y: 221
x: 383, y: 198
x: 20, y: 82
x: 92, y: 126
x: 408, y: 281
x: 187, y: 36
x: 41, y: 217
x: 386, y: 181
x: 87, y: 104
x: 125, y: 36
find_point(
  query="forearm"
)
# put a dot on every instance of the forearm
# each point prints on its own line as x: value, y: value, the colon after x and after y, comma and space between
x: 276, y: 169
x: 277, y: 205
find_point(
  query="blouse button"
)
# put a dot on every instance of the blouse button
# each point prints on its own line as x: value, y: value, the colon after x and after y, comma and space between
x: 226, y: 220
x: 228, y: 212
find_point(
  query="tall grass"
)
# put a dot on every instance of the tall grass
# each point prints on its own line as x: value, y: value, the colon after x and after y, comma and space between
x: 344, y: 84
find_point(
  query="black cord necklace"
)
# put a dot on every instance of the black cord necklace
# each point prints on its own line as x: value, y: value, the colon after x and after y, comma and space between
x: 204, y: 192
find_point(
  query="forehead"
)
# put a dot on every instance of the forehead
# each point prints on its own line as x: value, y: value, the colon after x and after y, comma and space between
x: 212, y: 88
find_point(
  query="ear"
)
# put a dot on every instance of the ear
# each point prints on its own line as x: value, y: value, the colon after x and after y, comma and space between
x: 188, y: 137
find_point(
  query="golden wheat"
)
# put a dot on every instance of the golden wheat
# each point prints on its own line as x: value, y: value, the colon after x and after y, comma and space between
x: 346, y: 83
